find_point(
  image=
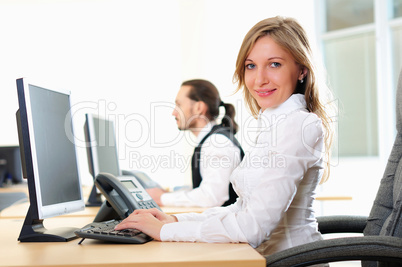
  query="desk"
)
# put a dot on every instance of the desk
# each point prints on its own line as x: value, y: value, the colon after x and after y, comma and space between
x: 97, y: 253
x: 333, y: 198
x: 20, y: 211
x: 86, y: 190
x: 22, y: 187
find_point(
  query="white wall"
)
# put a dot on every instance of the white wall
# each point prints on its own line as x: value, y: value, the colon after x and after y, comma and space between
x: 125, y: 59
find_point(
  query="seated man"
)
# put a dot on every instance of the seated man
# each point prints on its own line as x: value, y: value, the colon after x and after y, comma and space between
x: 218, y: 152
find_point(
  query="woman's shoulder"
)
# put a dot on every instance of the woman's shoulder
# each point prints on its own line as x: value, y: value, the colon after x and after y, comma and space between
x: 297, y: 117
x: 305, y: 121
x: 298, y: 122
x: 299, y: 130
x: 305, y: 116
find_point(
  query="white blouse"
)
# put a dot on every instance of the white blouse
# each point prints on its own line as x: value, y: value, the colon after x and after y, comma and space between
x: 276, y: 184
x: 218, y: 158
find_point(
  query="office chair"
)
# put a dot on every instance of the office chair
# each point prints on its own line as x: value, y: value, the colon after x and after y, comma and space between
x: 381, y: 244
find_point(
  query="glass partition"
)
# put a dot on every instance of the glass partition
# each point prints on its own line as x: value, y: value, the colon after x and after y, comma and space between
x: 397, y: 8
x: 351, y: 66
x: 341, y: 14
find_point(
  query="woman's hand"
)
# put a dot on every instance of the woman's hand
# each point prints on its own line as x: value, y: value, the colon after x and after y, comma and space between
x: 148, y: 221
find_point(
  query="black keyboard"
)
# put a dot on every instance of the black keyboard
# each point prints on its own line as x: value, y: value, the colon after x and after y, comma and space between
x: 105, y: 231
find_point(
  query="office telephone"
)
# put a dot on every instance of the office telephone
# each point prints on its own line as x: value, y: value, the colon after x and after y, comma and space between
x: 123, y: 194
x: 143, y: 178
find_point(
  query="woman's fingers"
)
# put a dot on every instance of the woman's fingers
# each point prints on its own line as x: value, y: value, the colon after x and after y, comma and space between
x: 163, y: 217
x: 145, y: 222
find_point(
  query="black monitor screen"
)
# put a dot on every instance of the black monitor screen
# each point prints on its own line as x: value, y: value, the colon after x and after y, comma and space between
x: 102, y: 146
x: 55, y: 152
x: 101, y: 151
x: 106, y: 146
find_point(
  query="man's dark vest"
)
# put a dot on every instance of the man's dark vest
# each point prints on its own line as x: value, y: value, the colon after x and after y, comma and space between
x: 195, y: 161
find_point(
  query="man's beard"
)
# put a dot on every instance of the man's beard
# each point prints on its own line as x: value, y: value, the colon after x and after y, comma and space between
x: 187, y: 126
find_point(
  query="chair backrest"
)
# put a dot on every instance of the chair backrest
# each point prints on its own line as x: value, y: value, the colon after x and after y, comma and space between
x: 385, y: 217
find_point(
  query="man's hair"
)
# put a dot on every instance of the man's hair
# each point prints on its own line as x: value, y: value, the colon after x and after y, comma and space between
x: 205, y: 91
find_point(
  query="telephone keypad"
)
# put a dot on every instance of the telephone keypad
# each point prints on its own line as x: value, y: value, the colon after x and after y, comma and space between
x: 147, y: 204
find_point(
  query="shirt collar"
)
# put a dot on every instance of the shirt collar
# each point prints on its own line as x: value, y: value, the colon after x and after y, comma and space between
x: 293, y: 103
x: 204, y: 131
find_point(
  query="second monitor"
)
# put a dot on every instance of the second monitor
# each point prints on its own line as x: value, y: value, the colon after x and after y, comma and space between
x: 103, y: 156
x: 101, y: 151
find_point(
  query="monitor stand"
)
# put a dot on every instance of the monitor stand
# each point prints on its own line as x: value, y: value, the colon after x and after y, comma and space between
x: 95, y: 198
x: 33, y: 230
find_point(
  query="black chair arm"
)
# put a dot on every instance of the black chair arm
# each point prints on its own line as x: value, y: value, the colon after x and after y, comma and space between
x: 371, y: 248
x: 341, y: 224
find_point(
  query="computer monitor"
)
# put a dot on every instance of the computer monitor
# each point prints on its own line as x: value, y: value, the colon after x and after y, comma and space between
x: 103, y: 155
x: 10, y: 165
x: 49, y: 160
x: 101, y: 151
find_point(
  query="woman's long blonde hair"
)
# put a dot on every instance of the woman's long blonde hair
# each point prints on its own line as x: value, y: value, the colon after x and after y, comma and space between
x: 288, y: 33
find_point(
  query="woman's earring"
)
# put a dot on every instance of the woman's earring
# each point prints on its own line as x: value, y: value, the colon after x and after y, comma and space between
x: 301, y: 81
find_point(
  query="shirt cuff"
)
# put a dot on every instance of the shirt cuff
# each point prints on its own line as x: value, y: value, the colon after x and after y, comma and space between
x: 181, y: 231
x: 187, y: 216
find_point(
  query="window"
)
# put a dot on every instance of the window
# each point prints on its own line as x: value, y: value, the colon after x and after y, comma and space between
x: 343, y: 14
x: 397, y: 8
x: 360, y: 44
x: 396, y: 35
x: 350, y: 62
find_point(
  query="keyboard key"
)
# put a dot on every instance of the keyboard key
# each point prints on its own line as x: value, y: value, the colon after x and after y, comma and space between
x: 105, y: 231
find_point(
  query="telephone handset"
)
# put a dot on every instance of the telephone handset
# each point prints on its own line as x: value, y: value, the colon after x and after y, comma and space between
x: 123, y: 194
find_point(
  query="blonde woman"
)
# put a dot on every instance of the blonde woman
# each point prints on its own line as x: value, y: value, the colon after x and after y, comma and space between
x: 278, y: 177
